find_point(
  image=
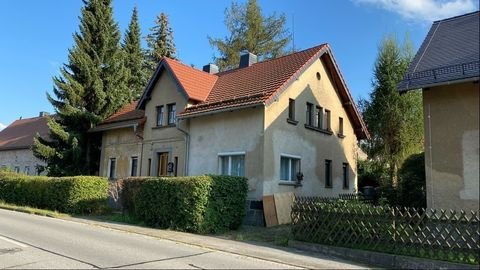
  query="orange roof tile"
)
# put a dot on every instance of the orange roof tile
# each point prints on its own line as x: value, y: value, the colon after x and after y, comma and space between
x: 127, y: 112
x: 250, y: 86
x: 20, y: 133
x: 195, y: 82
x: 238, y: 87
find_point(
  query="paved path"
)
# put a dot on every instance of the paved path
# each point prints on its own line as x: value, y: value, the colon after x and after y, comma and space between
x: 29, y: 241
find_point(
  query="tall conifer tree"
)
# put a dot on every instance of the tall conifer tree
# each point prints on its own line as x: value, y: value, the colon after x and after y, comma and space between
x: 92, y: 86
x: 135, y: 57
x: 160, y: 42
x: 250, y: 30
x: 395, y: 121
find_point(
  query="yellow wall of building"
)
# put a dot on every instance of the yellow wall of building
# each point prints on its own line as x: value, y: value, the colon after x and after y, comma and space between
x: 229, y: 132
x: 262, y: 133
x: 451, y: 114
x: 312, y: 146
x: 121, y: 144
x: 163, y: 139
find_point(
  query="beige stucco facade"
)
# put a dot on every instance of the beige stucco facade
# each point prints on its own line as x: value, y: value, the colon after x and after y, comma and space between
x: 145, y: 144
x: 165, y: 139
x: 21, y: 160
x: 261, y: 134
x: 122, y: 145
x: 451, y: 114
x: 312, y: 146
x: 235, y: 132
x: 264, y: 135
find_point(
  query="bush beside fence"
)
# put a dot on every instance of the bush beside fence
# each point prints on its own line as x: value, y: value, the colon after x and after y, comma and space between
x: 195, y: 204
x: 78, y: 194
x: 434, y: 234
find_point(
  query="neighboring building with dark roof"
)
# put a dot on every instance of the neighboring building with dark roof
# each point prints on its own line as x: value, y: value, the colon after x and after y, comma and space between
x: 447, y: 69
x: 268, y: 121
x: 16, y: 142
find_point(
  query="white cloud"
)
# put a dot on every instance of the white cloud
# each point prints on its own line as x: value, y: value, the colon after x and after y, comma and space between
x: 2, y: 126
x: 424, y: 10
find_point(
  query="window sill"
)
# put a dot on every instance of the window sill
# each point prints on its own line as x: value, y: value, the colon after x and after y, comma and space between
x: 293, y: 122
x: 324, y: 131
x: 166, y: 126
x: 341, y: 136
x: 328, y: 186
x: 289, y: 183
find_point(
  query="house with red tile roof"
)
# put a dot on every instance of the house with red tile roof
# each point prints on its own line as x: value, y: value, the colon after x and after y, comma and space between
x: 289, y: 125
x: 16, y: 142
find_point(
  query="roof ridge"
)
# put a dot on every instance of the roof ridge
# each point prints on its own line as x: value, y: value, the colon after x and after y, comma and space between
x: 274, y: 59
x: 458, y: 16
x: 190, y: 67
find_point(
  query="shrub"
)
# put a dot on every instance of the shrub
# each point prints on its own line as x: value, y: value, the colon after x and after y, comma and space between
x: 193, y: 204
x: 412, y: 183
x: 226, y: 205
x: 130, y: 188
x: 79, y: 194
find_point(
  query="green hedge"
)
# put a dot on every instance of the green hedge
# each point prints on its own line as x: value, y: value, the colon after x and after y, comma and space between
x: 205, y: 204
x: 78, y: 194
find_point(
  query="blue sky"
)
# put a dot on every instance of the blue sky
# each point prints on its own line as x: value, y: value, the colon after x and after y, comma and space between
x: 36, y: 35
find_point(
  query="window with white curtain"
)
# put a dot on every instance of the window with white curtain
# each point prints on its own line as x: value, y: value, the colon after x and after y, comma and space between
x: 232, y: 164
x: 289, y: 167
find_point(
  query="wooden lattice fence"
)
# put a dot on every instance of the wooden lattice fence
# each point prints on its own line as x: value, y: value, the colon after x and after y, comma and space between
x: 429, y: 233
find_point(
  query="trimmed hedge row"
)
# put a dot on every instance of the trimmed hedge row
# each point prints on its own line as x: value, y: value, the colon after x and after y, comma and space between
x: 78, y: 194
x: 205, y: 204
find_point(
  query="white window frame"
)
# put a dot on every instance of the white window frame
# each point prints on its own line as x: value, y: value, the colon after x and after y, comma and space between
x: 17, y: 169
x: 229, y: 155
x: 131, y: 165
x: 26, y: 170
x: 290, y: 157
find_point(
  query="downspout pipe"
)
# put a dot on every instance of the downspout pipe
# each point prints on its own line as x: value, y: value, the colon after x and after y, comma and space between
x: 187, y: 145
x: 135, y: 127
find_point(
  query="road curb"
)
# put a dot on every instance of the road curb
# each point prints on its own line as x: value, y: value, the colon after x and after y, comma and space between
x: 386, y: 260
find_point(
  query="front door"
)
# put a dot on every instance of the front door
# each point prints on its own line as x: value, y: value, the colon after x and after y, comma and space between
x: 162, y: 163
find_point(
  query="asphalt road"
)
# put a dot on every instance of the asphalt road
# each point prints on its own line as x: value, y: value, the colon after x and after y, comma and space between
x: 29, y: 241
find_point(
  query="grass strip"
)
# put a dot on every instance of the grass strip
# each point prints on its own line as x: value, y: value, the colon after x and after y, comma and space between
x: 31, y: 210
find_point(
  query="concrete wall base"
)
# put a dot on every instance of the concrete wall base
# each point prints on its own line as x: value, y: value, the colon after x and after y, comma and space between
x: 379, y: 259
